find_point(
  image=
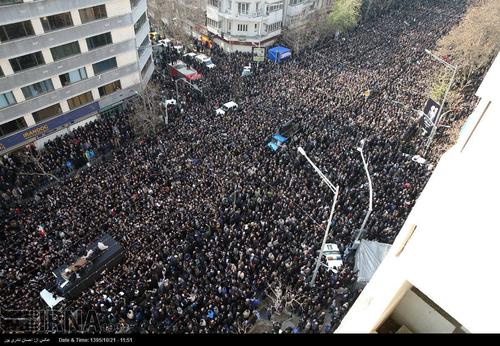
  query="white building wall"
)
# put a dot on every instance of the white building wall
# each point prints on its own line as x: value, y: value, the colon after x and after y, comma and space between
x: 121, y: 32
x: 448, y: 246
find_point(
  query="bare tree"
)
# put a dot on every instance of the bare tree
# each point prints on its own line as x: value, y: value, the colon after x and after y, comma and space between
x: 32, y: 157
x: 242, y: 327
x: 146, y: 118
x: 284, y: 300
x: 178, y: 18
x: 474, y: 41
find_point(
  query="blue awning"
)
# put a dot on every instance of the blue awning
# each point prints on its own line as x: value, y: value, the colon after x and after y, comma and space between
x: 280, y: 138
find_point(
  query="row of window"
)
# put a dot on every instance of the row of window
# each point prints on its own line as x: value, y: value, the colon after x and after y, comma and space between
x: 28, y: 61
x: 45, y: 86
x: 55, y: 109
x: 140, y: 22
x: 273, y: 27
x: 49, y: 23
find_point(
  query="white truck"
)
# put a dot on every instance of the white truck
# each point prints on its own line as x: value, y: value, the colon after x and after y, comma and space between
x: 226, y: 107
x: 205, y: 60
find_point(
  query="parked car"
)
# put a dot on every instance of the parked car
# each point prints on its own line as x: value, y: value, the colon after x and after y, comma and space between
x: 247, y: 71
x: 226, y: 107
x: 205, y: 60
x: 333, y: 257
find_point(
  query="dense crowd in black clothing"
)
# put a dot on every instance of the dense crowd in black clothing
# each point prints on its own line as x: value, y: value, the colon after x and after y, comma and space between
x: 209, y: 215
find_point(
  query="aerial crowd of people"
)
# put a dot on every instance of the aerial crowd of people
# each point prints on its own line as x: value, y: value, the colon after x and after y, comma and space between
x: 212, y: 220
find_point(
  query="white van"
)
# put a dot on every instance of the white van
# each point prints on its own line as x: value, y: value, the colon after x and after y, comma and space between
x: 333, y: 257
x: 229, y: 106
x: 203, y: 59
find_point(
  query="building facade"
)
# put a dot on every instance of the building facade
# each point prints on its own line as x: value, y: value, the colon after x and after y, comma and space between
x: 63, y: 62
x: 434, y: 279
x: 241, y: 25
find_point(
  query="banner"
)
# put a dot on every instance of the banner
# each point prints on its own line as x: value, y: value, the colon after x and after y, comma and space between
x: 41, y: 130
x: 259, y: 54
x: 427, y: 120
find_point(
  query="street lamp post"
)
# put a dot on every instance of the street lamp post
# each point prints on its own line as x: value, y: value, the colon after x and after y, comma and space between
x: 370, y: 188
x: 335, y: 190
x: 438, y: 116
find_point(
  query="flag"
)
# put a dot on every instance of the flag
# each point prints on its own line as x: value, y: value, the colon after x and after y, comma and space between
x: 41, y: 231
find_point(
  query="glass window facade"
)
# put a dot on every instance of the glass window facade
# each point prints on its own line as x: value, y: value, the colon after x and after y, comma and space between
x: 80, y: 100
x: 73, y: 76
x: 105, y: 65
x: 47, y: 113
x: 57, y: 21
x: 110, y: 88
x: 27, y: 61
x: 90, y: 14
x: 16, y: 30
x: 65, y: 50
x: 7, y: 99
x: 37, y: 89
x: 99, y: 40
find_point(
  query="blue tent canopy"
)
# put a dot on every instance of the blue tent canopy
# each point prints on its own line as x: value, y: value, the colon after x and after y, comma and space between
x: 279, y: 53
x: 280, y: 138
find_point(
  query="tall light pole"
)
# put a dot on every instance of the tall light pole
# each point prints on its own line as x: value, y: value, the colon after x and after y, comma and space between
x: 335, y: 190
x: 370, y: 188
x: 438, y: 116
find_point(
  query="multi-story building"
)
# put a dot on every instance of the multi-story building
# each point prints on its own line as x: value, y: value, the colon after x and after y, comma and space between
x: 64, y: 62
x: 241, y: 25
x: 433, y: 280
x: 298, y: 13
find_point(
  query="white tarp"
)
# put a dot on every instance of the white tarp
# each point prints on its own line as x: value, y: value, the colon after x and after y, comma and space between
x: 49, y: 298
x: 368, y: 257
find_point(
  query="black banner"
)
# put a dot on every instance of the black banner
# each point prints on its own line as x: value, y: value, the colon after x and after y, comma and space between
x: 428, y: 119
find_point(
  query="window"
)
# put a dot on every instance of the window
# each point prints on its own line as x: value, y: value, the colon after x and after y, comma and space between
x: 274, y: 7
x: 65, y: 50
x: 140, y: 22
x: 146, y: 67
x: 10, y: 2
x: 243, y: 7
x: 273, y: 27
x: 133, y: 3
x: 105, y: 65
x: 7, y: 99
x: 73, y: 76
x: 80, y: 100
x: 16, y: 30
x: 27, y: 61
x: 12, y: 126
x: 47, y: 113
x: 143, y: 46
x: 214, y: 3
x: 110, y: 88
x: 242, y: 27
x: 57, y: 21
x: 90, y: 14
x: 99, y: 40
x: 37, y: 89
x: 296, y: 2
x: 212, y: 23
